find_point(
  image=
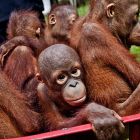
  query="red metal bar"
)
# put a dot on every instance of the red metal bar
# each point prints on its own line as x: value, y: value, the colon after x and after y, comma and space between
x: 131, y: 118
x: 58, y: 133
x: 135, y: 130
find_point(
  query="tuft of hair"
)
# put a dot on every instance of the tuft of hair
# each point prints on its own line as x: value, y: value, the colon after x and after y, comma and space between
x: 19, y: 21
x: 57, y: 5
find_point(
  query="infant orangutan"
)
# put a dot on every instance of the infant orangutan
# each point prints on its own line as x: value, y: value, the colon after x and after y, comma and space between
x: 63, y: 95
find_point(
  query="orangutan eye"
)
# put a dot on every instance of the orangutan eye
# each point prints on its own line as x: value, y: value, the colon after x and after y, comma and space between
x: 72, y: 21
x: 72, y: 18
x: 61, y: 79
x: 76, y: 72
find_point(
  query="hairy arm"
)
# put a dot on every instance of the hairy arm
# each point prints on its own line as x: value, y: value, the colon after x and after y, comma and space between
x: 132, y: 103
x: 101, y: 46
x: 13, y: 102
x: 105, y: 47
x: 21, y: 67
x: 105, y: 122
x: 33, y: 43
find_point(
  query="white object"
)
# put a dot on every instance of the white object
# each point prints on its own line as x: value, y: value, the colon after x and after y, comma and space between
x: 47, y: 7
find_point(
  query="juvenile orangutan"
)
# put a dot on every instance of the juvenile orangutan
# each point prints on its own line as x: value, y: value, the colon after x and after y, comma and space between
x: 64, y: 98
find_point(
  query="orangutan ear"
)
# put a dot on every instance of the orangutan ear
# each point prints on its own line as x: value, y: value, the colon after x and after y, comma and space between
x: 37, y: 32
x: 38, y: 78
x: 110, y: 10
x: 52, y: 19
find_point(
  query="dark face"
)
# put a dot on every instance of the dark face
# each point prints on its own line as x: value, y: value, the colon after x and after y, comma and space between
x: 126, y: 17
x: 61, y: 71
x: 61, y: 19
x: 69, y: 82
x: 134, y: 38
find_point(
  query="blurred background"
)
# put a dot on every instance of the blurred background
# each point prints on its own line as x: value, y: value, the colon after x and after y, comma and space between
x: 81, y: 5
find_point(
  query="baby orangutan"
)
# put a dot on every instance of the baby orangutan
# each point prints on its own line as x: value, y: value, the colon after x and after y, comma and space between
x: 63, y: 95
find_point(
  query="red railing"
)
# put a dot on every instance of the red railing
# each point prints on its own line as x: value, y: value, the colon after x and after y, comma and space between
x: 133, y: 120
